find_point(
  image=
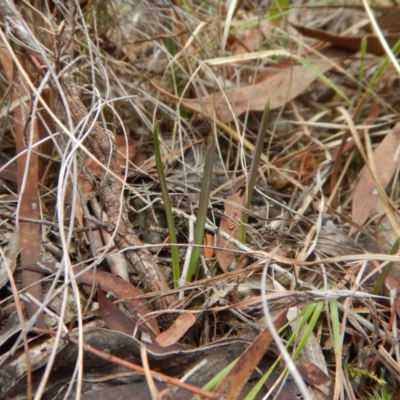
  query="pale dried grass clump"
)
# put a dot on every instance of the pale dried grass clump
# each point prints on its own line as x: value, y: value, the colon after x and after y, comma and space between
x: 117, y: 69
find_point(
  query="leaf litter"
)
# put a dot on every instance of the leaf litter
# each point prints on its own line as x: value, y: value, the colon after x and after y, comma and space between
x: 87, y: 211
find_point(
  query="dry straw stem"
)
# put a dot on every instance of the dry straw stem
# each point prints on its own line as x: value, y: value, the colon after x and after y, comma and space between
x: 103, y: 148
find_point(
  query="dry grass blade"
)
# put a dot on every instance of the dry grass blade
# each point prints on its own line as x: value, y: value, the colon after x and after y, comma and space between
x: 253, y: 173
x: 168, y: 209
x: 103, y: 147
x: 111, y: 190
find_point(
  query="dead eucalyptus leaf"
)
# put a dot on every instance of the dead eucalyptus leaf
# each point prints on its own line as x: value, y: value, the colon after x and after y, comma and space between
x: 278, y: 89
x: 114, y: 318
x: 374, y: 45
x: 230, y: 224
x: 178, y: 328
x: 314, y: 376
x: 250, y: 40
x: 366, y: 196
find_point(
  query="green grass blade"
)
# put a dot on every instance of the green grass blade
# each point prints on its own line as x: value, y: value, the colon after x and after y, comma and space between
x: 383, y: 66
x: 362, y: 69
x: 214, y: 382
x: 310, y: 327
x: 313, y: 311
x: 276, y: 10
x: 203, y: 208
x: 334, y: 310
x: 323, y: 78
x: 168, y: 208
x: 375, y: 77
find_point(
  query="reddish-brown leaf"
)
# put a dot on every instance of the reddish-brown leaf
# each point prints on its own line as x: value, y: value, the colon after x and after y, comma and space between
x: 250, y: 40
x: 110, y: 283
x: 374, y: 45
x: 230, y: 224
x: 122, y: 290
x: 178, y: 328
x: 26, y: 136
x: 314, y: 376
x: 114, y: 318
x: 208, y: 250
